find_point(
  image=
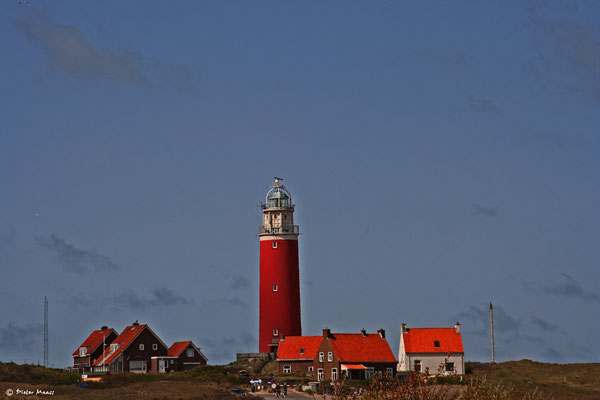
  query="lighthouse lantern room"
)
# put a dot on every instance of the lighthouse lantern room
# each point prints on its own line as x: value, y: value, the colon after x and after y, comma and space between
x: 279, y: 309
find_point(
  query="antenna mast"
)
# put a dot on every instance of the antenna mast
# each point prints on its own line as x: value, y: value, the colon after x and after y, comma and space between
x: 45, y: 331
x: 492, y: 330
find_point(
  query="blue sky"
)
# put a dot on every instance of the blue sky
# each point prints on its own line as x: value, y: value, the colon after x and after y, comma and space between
x: 441, y: 156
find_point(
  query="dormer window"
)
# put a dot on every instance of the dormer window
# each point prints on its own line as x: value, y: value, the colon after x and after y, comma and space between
x: 82, y: 351
x: 436, y: 343
x: 114, y: 347
x: 301, y: 351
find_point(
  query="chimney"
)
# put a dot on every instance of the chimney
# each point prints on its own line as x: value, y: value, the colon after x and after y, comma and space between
x: 104, y: 327
x: 326, y: 333
x: 457, y: 327
x: 403, y: 328
x: 381, y: 333
x: 136, y: 323
x: 364, y: 332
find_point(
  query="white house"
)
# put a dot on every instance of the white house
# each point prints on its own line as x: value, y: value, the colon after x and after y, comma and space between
x: 431, y: 350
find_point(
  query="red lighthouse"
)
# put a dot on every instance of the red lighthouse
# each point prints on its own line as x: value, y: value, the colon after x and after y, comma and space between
x: 279, y: 275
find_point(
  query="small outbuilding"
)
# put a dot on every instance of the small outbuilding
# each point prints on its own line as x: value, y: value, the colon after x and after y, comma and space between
x: 431, y: 350
x: 182, y: 356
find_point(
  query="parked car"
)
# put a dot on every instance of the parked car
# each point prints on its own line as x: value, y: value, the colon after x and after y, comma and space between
x: 237, y: 391
x: 244, y: 373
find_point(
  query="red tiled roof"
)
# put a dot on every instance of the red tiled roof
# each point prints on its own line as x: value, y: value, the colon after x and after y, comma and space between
x: 356, y: 348
x: 422, y: 340
x: 94, y: 340
x: 123, y: 340
x: 353, y: 366
x: 289, y: 347
x: 177, y: 347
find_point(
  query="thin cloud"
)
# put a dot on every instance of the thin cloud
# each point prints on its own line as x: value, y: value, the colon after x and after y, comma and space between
x: 458, y: 59
x: 74, y: 259
x: 243, y: 341
x: 7, y: 239
x: 486, y: 211
x: 159, y: 297
x: 68, y: 49
x: 572, y: 288
x: 483, y: 105
x: 479, y: 321
x: 22, y: 338
x: 239, y: 282
x: 559, y: 140
x: 567, y: 287
x: 544, y: 325
x: 235, y: 281
x: 566, y: 52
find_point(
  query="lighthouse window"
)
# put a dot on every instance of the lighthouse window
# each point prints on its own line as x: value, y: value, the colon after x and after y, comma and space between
x: 275, y: 332
x: 275, y: 288
x: 274, y: 245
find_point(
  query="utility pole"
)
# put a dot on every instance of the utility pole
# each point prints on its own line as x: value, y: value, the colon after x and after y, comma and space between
x: 492, y: 330
x: 45, y: 331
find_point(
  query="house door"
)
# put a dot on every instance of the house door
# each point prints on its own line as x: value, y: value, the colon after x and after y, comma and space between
x: 161, y: 366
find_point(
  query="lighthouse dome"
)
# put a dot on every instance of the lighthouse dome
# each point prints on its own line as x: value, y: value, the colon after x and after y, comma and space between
x: 278, y: 196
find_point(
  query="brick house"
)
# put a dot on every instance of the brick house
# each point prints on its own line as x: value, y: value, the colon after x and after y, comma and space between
x: 92, y: 348
x: 132, y: 351
x: 431, y: 350
x: 297, y: 353
x: 182, y: 356
x: 353, y: 355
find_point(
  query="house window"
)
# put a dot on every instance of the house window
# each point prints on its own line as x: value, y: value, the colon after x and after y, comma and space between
x: 321, y: 356
x: 436, y: 343
x: 275, y: 288
x: 113, y: 347
x: 329, y: 356
x: 171, y: 362
x: 311, y: 368
x: 137, y: 366
x: 190, y: 353
x: 369, y: 373
x: 287, y: 369
x: 334, y: 374
x: 320, y: 374
x: 390, y: 373
x: 154, y: 346
x: 274, y: 244
x: 449, y: 367
x: 82, y: 351
x: 275, y: 332
x: 380, y: 374
x: 417, y: 365
x: 141, y: 346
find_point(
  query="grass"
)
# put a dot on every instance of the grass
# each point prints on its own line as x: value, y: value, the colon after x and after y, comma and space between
x: 551, y: 381
x: 555, y: 381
